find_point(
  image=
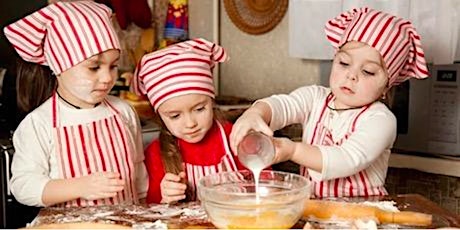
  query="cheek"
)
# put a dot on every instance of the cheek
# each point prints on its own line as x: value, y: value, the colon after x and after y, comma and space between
x: 334, y: 78
x: 170, y: 125
x: 209, y: 118
x: 82, y: 86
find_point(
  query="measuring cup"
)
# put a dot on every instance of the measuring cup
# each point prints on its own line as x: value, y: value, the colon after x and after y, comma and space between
x: 256, y: 151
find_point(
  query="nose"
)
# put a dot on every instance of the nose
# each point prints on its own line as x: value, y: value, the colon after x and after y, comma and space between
x: 107, y: 77
x: 190, y: 121
x: 352, y: 75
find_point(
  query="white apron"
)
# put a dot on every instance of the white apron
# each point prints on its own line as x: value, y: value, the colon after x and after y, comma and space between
x: 100, y: 146
x: 354, y: 185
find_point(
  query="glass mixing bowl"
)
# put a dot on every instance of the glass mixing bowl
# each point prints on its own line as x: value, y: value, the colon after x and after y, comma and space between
x: 230, y: 201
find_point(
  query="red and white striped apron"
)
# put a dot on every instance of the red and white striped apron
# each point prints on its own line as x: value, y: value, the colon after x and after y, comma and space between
x: 195, y: 172
x: 100, y: 146
x: 354, y: 185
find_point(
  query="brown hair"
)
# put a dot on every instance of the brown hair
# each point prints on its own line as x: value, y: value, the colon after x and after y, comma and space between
x: 34, y: 84
x: 388, y: 97
x: 170, y: 153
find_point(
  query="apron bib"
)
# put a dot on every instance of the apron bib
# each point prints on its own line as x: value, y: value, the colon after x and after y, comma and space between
x: 104, y: 145
x: 196, y: 172
x: 354, y: 185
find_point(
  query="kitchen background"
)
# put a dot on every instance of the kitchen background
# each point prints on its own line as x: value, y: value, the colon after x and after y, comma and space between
x: 260, y: 65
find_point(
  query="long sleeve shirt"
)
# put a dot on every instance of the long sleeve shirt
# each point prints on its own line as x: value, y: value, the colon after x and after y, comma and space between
x: 35, y: 160
x: 359, y: 145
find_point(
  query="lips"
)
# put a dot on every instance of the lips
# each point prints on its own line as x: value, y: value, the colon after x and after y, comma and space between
x: 346, y: 90
x: 192, y: 133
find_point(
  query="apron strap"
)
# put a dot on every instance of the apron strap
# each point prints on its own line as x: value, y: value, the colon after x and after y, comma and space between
x: 228, y: 152
x: 54, y: 109
x: 328, y: 99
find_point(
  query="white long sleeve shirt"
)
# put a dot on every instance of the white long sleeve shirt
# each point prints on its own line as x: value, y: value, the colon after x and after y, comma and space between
x: 367, y: 148
x: 35, y: 160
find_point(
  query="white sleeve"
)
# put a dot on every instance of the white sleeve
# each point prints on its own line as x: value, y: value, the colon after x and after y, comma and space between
x: 141, y: 179
x: 30, y: 167
x: 293, y: 108
x: 373, y: 135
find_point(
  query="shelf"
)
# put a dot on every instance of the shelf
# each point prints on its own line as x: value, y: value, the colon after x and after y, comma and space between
x: 444, y: 166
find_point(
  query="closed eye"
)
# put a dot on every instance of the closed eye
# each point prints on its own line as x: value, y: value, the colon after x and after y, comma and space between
x: 201, y: 108
x: 368, y: 73
x: 173, y: 116
x: 94, y: 68
x: 343, y: 63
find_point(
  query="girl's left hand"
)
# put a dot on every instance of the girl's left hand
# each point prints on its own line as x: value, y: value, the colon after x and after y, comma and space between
x: 284, y: 149
x: 171, y: 187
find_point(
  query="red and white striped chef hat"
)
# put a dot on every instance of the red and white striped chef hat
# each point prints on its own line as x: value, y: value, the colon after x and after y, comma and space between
x: 179, y: 69
x: 394, y: 38
x: 63, y: 34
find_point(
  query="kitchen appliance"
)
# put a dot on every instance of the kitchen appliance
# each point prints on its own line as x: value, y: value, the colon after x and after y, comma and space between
x: 12, y: 213
x: 428, y: 113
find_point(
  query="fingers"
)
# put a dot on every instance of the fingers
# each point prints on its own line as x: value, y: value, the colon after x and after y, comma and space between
x: 171, y: 187
x: 239, y: 132
x: 111, y: 174
x: 102, y: 185
x: 266, y: 130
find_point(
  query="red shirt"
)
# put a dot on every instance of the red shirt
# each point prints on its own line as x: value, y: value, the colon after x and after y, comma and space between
x: 208, y: 152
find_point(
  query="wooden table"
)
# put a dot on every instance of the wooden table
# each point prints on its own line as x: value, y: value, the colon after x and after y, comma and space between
x: 410, y: 202
x: 177, y: 218
x: 418, y: 203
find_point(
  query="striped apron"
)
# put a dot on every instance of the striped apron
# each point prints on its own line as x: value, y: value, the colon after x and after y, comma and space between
x: 354, y: 185
x: 100, y: 146
x: 195, y: 172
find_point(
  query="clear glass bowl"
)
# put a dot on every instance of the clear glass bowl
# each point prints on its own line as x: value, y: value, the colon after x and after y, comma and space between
x: 229, y: 199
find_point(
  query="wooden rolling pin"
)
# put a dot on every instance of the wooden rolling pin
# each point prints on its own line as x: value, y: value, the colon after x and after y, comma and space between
x: 335, y: 210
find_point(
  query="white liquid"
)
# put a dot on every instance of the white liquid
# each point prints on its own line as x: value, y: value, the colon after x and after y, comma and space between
x: 255, y: 164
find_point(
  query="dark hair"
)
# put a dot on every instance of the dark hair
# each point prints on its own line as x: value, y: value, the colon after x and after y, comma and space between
x: 34, y: 84
x: 388, y: 100
x: 170, y: 154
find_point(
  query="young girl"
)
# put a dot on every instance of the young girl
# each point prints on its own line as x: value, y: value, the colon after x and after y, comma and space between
x: 347, y: 132
x: 79, y: 147
x: 193, y: 140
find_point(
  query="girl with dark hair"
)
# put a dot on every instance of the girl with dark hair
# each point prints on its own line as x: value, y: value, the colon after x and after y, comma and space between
x: 77, y: 146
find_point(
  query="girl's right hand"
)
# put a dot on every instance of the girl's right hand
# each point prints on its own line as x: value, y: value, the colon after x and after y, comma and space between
x: 172, y: 188
x: 100, y: 185
x: 248, y: 121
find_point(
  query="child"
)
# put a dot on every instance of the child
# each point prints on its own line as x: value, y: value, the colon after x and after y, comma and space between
x: 80, y: 147
x: 193, y: 140
x: 347, y: 132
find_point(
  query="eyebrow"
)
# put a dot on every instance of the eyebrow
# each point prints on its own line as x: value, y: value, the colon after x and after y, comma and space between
x: 97, y: 59
x: 368, y: 60
x: 203, y: 102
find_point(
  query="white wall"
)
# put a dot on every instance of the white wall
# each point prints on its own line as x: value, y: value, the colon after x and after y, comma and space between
x: 259, y: 64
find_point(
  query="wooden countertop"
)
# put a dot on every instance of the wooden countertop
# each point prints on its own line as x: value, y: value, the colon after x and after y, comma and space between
x: 177, y: 217
x: 418, y: 203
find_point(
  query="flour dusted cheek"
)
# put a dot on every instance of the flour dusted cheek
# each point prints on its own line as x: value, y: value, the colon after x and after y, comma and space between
x: 83, y: 89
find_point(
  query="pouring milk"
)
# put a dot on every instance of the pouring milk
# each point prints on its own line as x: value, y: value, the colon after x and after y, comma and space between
x: 256, y: 152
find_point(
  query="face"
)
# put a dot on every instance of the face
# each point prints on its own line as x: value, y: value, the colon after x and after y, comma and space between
x: 188, y: 117
x: 89, y: 82
x: 358, y: 76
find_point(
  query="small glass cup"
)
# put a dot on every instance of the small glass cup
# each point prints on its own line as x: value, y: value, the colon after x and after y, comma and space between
x: 256, y: 151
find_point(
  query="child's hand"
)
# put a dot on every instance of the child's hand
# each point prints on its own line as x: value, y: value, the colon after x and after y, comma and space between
x: 246, y: 122
x: 284, y: 149
x: 172, y: 188
x: 100, y: 185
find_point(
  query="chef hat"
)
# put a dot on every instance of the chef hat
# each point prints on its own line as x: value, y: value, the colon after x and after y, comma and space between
x: 63, y: 34
x: 393, y: 37
x: 176, y: 70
